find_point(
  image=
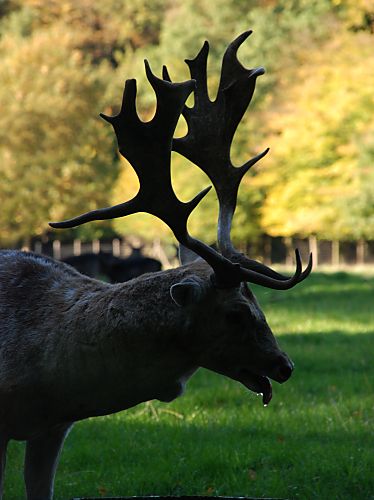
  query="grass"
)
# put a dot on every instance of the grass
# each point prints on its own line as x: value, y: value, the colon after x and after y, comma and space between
x: 314, y: 441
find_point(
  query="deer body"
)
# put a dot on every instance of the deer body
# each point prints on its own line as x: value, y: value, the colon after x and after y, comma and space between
x: 72, y: 347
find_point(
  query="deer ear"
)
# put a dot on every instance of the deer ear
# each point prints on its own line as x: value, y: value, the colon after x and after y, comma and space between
x: 188, y: 291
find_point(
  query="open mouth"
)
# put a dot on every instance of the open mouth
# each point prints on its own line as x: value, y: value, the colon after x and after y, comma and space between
x: 256, y: 383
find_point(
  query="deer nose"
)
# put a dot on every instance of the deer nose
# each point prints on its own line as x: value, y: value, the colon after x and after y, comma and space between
x: 284, y: 369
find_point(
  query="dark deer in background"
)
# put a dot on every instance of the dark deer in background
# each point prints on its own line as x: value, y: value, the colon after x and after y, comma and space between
x: 72, y: 347
x: 115, y: 269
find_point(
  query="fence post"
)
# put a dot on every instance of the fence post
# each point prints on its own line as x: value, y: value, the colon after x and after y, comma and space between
x: 77, y: 247
x: 116, y: 247
x: 335, y: 252
x: 38, y: 247
x: 360, y: 251
x: 313, y: 247
x: 288, y: 243
x: 96, y: 246
x: 267, y: 250
x: 56, y: 249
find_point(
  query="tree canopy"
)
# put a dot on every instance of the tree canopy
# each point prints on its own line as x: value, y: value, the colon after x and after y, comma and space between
x: 319, y: 177
x: 63, y: 62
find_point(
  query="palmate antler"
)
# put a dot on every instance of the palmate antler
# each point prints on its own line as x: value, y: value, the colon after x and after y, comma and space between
x: 147, y: 146
x: 211, y: 128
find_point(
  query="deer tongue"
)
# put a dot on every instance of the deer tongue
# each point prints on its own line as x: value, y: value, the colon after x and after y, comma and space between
x: 257, y: 383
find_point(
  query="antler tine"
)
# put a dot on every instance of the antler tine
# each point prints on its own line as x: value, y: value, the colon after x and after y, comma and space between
x: 198, y: 71
x: 282, y: 282
x: 211, y: 128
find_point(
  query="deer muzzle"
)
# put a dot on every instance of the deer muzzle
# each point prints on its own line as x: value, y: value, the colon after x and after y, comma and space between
x: 282, y: 369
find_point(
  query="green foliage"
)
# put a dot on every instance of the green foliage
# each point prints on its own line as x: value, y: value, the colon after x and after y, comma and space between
x: 54, y: 150
x: 323, y: 146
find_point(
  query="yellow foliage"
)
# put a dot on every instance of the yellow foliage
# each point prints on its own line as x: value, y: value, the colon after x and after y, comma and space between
x: 316, y: 139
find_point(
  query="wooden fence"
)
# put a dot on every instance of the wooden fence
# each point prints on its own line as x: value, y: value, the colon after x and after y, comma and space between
x: 325, y: 252
x: 167, y: 255
x: 269, y: 250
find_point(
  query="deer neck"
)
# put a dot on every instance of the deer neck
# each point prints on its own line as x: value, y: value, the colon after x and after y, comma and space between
x: 127, y: 353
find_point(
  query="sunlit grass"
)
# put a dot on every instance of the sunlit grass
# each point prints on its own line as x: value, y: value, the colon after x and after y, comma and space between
x: 314, y: 441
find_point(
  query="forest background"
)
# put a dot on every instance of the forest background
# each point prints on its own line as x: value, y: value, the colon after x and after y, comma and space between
x: 64, y: 61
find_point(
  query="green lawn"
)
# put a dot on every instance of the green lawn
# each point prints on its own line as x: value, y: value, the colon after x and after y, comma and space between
x: 314, y: 441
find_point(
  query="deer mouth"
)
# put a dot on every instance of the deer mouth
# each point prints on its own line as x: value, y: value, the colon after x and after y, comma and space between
x: 256, y: 383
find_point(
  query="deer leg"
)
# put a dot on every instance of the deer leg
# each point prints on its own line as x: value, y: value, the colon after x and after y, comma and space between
x: 3, y: 447
x: 41, y: 459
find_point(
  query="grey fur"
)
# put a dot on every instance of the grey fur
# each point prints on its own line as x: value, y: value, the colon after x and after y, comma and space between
x: 72, y: 347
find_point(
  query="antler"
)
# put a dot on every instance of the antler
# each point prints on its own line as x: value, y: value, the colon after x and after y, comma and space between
x: 147, y: 146
x: 211, y: 128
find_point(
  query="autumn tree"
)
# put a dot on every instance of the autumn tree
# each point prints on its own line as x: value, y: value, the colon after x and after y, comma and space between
x: 56, y: 156
x: 64, y: 61
x: 103, y: 30
x: 320, y: 177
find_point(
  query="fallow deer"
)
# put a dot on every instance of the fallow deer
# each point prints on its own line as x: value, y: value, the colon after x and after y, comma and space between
x: 115, y: 269
x: 72, y: 347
